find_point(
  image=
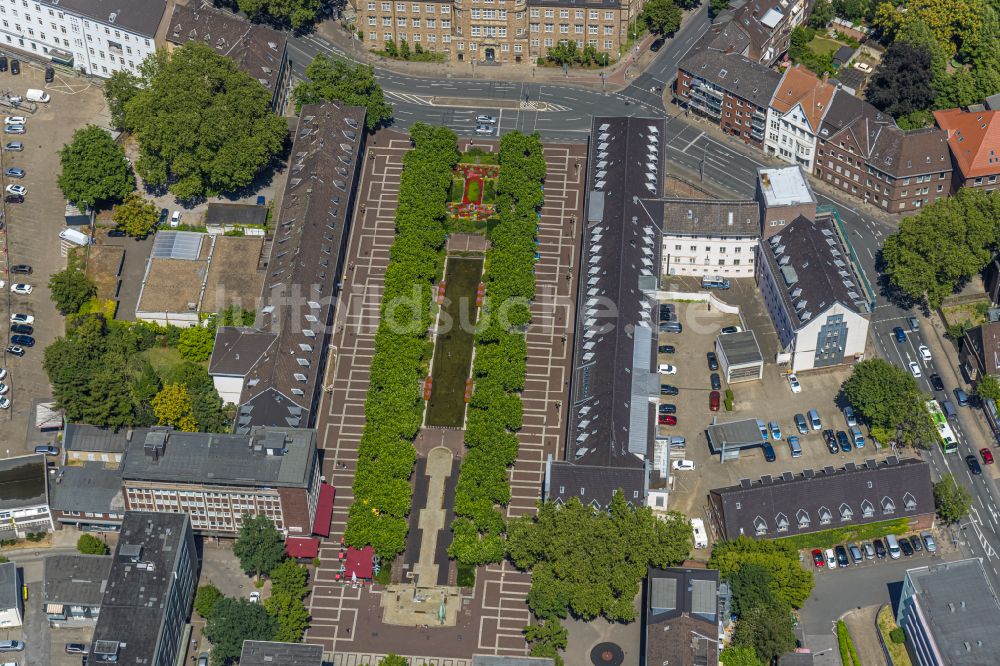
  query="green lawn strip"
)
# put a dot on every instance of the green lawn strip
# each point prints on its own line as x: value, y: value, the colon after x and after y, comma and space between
x: 489, y: 190
x: 453, y: 347
x: 848, y: 653
x: 897, y: 651
x: 457, y: 190
x: 466, y: 575
x: 164, y: 360
x: 822, y: 45
x: 475, y: 191
x: 842, y: 535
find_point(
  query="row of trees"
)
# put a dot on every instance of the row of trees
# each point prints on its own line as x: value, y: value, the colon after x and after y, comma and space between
x: 890, y: 401
x: 394, y: 405
x: 767, y: 582
x: 588, y: 563
x: 329, y: 79
x: 495, y: 410
x: 295, y: 14
x: 936, y: 251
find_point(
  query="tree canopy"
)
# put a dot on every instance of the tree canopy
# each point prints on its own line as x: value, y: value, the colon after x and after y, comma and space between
x: 205, y: 598
x: 233, y: 621
x: 330, y: 79
x: 890, y: 399
x: 821, y: 14
x: 768, y: 629
x: 204, y: 127
x: 172, y: 407
x: 94, y: 169
x: 70, y: 288
x: 988, y: 388
x: 259, y: 546
x: 951, y: 500
x: 662, y: 17
x: 196, y: 343
x: 296, y: 14
x: 136, y: 216
x: 902, y: 82
x: 88, y: 544
x: 788, y: 582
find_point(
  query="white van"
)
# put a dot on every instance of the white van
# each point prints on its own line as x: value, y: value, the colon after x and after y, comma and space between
x: 75, y: 237
x: 714, y: 282
x: 36, y: 95
x: 814, y: 419
x: 893, y: 545
x: 700, y: 535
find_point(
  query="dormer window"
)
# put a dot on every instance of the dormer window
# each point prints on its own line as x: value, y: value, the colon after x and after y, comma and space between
x: 825, y: 516
x: 845, y: 512
x: 781, y: 520
x: 888, y: 506
x: 910, y: 502
x: 802, y: 516
x: 760, y: 526
x: 867, y: 509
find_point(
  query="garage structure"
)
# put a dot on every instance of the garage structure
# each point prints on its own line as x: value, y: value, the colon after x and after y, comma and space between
x: 739, y: 357
x: 728, y: 439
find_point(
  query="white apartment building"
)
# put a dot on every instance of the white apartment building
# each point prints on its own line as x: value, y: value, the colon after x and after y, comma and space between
x: 96, y: 37
x: 703, y: 237
x: 795, y: 114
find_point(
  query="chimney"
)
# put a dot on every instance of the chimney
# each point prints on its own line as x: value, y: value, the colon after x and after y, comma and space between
x: 826, y: 76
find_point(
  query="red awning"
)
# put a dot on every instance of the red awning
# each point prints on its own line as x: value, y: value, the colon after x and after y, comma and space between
x: 324, y: 510
x: 302, y: 547
x: 359, y: 563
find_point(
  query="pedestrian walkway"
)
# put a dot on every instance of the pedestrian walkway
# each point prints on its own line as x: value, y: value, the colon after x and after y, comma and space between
x: 861, y: 625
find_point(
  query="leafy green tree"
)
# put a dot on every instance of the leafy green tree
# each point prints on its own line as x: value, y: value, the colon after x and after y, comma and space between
x: 290, y: 578
x: 662, y: 17
x: 214, y: 138
x: 751, y: 587
x: 330, y: 80
x: 259, y: 545
x: 296, y: 14
x: 768, y: 629
x: 205, y: 598
x: 739, y: 656
x: 821, y: 14
x: 547, y: 638
x: 70, y: 288
x: 196, y: 343
x: 94, y: 169
x: 119, y: 88
x: 206, y: 405
x: 988, y: 387
x: 789, y: 583
x: 136, y: 216
x: 291, y: 614
x: 233, y: 621
x: 393, y: 659
x: 951, y: 500
x: 88, y: 544
x: 902, y: 82
x: 891, y: 401
x: 856, y: 11
x: 172, y: 407
x: 716, y: 7
x: 951, y: 22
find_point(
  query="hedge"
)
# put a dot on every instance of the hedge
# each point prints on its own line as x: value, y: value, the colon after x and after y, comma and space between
x: 495, y: 410
x: 394, y: 404
x: 842, y: 535
x: 848, y: 653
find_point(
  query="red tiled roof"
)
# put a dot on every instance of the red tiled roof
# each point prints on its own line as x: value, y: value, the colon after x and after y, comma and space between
x: 324, y: 510
x: 974, y: 138
x: 800, y: 86
x: 360, y: 563
x: 302, y: 547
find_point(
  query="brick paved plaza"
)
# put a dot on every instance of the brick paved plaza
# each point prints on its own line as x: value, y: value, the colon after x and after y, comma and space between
x: 346, y: 618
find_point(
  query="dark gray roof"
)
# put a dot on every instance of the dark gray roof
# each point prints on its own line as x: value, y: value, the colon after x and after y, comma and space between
x: 257, y: 50
x: 10, y: 586
x: 686, y: 601
x: 890, y: 489
x: 843, y: 54
x: 960, y: 610
x: 139, y: 16
x: 483, y: 660
x: 727, y: 37
x: 237, y: 349
x: 741, y: 348
x: 854, y: 116
x: 818, y: 271
x: 993, y: 102
x: 91, y: 487
x: 310, y: 235
x: 593, y: 483
x: 851, y: 78
x: 230, y: 213
x: 749, y: 17
x: 86, y: 437
x: 78, y: 580
x: 262, y: 457
x: 796, y: 659
x: 22, y: 482
x: 734, y: 73
x: 903, y: 154
x: 699, y: 217
x: 616, y: 293
x: 743, y: 434
x: 134, y: 603
x: 267, y: 653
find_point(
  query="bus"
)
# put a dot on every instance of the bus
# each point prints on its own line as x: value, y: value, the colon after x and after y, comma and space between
x: 949, y: 444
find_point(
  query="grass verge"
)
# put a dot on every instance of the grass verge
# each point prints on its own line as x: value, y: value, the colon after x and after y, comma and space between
x: 897, y: 651
x: 840, y: 535
x: 466, y: 575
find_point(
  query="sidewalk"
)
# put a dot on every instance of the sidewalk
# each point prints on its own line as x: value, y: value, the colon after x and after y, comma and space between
x: 617, y: 74
x: 861, y: 625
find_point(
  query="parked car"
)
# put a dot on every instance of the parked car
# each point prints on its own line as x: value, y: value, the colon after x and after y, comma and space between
x: 665, y: 349
x: 713, y: 361
x: 667, y: 389
x: 929, y: 542
x: 21, y: 269
x: 843, y: 441
x: 11, y: 646
x: 667, y: 419
x: 14, y: 172
x: 667, y: 369
x: 713, y: 401
x: 164, y: 216
x: 13, y: 129
x: 775, y: 430
x: 915, y: 542
x: 14, y: 188
x: 489, y: 120
x: 987, y: 456
x: 814, y: 419
x: 794, y: 447
x: 683, y: 465
x: 914, y: 369
x: 764, y: 434
x: 869, y: 550
x: 879, y: 549
x: 23, y: 340
x: 973, y: 464
x: 831, y: 558
x: 715, y: 381
x: 793, y: 383
x: 50, y: 74
x: 726, y: 330
x: 20, y: 318
x: 863, y: 67
x: 914, y: 323
x: 15, y: 120
x: 3, y: 63
x: 175, y: 219
x: 856, y: 556
x: 667, y: 408
x: 841, y: 556
x: 4, y: 403
x: 15, y: 350
x: 671, y: 327
x: 484, y: 129
x: 849, y: 416
x: 203, y: 659
x: 936, y: 382
x: 22, y: 329
x: 801, y: 425
x: 904, y: 545
x: 818, y: 560
x: 21, y: 288
x: 768, y: 452
x: 4, y: 389
x: 116, y: 233
x: 15, y: 66
x: 14, y: 146
x: 900, y: 334
x: 962, y: 397
x: 255, y: 597
x: 924, y: 352
x: 47, y: 450
x: 261, y: 200
x: 14, y: 198
x: 831, y: 441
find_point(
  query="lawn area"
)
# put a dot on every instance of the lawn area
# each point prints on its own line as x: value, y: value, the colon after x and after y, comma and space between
x: 474, y: 191
x: 886, y: 623
x: 453, y: 346
x: 466, y: 575
x: 838, y: 535
x: 457, y: 189
x: 823, y: 45
x: 163, y: 359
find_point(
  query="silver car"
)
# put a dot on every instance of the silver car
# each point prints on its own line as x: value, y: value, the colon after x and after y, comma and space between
x: 484, y: 129
x: 483, y: 119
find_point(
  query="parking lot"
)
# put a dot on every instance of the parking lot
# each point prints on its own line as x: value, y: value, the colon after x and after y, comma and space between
x: 32, y: 230
x: 769, y: 399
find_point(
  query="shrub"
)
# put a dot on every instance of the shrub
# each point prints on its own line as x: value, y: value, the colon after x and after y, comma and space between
x: 848, y: 653
x: 88, y: 544
x: 897, y: 635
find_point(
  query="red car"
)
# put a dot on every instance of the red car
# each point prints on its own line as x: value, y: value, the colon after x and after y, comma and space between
x: 668, y: 419
x: 987, y: 456
x: 818, y: 559
x: 713, y: 401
